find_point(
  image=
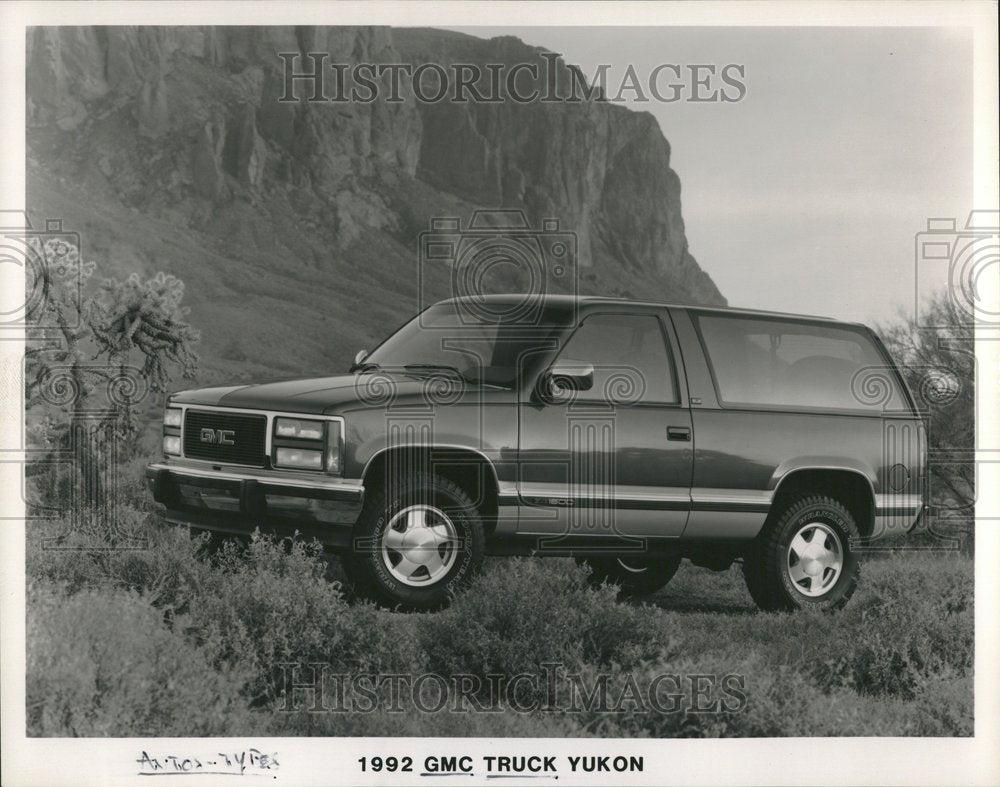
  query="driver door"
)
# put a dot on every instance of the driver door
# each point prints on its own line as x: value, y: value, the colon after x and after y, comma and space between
x: 615, y: 460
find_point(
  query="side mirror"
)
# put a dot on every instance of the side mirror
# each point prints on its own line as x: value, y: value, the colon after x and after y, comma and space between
x: 359, y: 359
x: 563, y: 377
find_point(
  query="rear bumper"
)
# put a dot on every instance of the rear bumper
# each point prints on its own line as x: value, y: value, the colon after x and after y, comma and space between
x: 240, y: 500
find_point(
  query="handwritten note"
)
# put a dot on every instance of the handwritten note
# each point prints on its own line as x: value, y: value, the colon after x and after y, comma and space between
x: 246, y: 762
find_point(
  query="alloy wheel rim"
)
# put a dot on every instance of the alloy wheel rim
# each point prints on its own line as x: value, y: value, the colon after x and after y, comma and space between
x: 815, y: 559
x: 420, y: 545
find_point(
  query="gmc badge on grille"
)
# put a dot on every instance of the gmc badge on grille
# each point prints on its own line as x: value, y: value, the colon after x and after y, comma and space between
x: 218, y: 436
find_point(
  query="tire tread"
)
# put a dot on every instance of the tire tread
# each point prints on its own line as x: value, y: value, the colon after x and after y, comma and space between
x: 357, y: 564
x: 762, y: 568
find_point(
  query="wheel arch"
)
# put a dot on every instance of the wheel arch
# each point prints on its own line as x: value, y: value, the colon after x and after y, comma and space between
x: 847, y: 485
x: 469, y: 468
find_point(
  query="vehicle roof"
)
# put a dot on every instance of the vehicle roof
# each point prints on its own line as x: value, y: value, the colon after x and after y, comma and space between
x: 571, y: 300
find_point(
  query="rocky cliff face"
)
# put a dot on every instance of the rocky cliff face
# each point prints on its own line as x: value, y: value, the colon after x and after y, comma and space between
x: 169, y: 149
x: 602, y: 169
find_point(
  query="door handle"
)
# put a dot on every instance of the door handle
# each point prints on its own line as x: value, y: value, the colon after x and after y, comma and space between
x: 678, y: 433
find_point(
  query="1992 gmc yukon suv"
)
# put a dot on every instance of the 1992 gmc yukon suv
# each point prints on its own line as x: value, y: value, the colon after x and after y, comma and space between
x: 627, y: 435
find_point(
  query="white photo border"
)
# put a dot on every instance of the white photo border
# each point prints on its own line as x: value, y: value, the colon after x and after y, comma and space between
x: 307, y: 761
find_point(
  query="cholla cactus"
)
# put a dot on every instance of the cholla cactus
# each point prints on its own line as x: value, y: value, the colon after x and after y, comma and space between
x: 59, y: 278
x: 146, y: 316
x: 135, y: 330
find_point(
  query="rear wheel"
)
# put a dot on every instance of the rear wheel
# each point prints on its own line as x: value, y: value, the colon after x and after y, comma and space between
x: 805, y: 557
x: 636, y: 576
x: 415, y: 544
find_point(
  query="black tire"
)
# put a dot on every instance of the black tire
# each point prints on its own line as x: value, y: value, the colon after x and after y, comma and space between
x: 780, y: 580
x: 635, y: 576
x: 371, y: 569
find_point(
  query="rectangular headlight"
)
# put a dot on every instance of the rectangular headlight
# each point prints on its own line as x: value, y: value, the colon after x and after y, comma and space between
x: 172, y: 444
x: 172, y: 417
x: 298, y: 428
x: 299, y: 457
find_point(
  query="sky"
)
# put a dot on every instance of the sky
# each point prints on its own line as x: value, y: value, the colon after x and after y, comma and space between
x: 806, y: 195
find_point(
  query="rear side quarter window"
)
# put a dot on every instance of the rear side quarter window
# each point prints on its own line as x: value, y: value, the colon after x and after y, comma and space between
x: 774, y: 363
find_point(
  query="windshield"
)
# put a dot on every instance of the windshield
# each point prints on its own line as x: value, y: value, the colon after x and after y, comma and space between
x: 486, y: 348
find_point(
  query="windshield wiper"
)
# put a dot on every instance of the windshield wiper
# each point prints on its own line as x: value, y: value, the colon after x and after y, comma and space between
x: 464, y: 377
x: 418, y: 368
x: 434, y: 367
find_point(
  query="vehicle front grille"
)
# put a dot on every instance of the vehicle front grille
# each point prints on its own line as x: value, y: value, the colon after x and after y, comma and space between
x: 232, y: 438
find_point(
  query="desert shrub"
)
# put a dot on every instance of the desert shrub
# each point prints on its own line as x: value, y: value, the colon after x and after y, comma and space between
x: 270, y: 605
x: 157, y: 560
x: 780, y: 701
x: 911, y: 620
x: 945, y: 706
x: 523, y: 614
x: 413, y: 722
x: 103, y: 663
x: 130, y: 479
x: 676, y: 709
x: 903, y: 633
x: 105, y: 625
x: 382, y: 642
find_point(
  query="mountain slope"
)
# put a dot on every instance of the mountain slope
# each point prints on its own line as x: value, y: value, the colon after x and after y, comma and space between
x: 296, y: 226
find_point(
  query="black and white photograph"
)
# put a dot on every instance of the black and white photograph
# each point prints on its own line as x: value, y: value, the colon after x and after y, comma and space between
x: 408, y: 393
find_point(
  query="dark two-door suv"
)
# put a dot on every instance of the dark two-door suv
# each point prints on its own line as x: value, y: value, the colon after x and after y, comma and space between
x: 627, y: 435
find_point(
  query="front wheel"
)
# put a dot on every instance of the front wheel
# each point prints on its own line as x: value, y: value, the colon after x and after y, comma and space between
x: 635, y: 576
x: 416, y: 543
x: 805, y: 557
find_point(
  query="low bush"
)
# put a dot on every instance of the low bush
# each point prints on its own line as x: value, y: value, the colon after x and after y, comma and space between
x: 523, y: 614
x: 411, y: 721
x: 903, y: 632
x: 174, y: 639
x: 159, y: 561
x: 103, y: 663
x: 911, y: 619
x: 719, y: 694
x: 270, y: 605
x: 945, y: 707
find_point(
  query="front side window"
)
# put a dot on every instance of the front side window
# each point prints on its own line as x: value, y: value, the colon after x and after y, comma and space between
x: 629, y: 356
x: 780, y: 363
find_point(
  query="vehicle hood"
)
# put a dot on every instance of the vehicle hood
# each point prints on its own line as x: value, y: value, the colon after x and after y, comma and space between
x: 326, y: 395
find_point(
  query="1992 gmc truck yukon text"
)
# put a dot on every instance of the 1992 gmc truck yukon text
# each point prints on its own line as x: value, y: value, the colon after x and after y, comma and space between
x: 628, y: 435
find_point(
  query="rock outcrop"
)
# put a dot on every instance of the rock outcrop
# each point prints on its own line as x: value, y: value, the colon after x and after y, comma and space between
x: 182, y: 130
x: 602, y: 169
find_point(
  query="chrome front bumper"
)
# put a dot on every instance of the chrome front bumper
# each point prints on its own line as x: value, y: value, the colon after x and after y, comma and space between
x: 239, y: 500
